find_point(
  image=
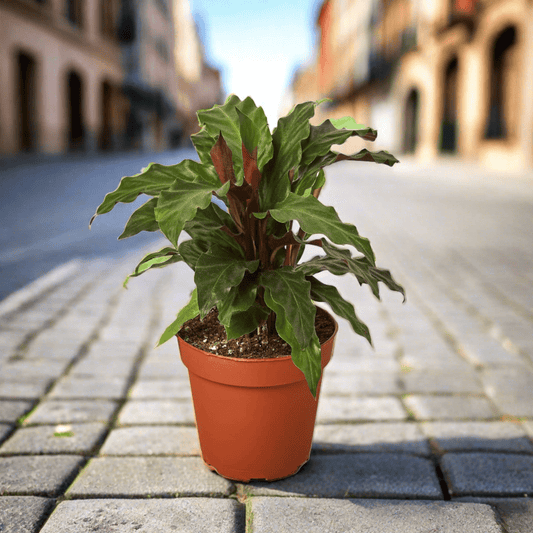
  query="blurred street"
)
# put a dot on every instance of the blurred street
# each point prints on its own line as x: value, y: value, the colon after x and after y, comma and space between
x: 45, y: 208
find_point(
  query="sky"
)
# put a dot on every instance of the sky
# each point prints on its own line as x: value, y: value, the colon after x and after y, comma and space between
x: 257, y: 44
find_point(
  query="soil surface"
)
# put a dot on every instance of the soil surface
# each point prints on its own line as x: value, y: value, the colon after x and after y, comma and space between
x: 209, y: 335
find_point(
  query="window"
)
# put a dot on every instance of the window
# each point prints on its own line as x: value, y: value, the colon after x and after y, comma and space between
x: 74, y: 12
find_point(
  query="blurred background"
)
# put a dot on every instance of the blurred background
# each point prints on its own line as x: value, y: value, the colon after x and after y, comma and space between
x: 92, y: 90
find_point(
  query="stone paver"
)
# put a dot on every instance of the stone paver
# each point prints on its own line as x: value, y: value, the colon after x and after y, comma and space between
x: 11, y: 411
x: 5, y: 430
x: 157, y: 412
x: 104, y: 366
x: 72, y: 411
x: 375, y: 437
x: 94, y: 387
x: 432, y: 381
x: 511, y: 389
x: 516, y: 514
x: 23, y: 514
x: 366, y: 475
x: 490, y: 474
x: 332, y: 408
x: 37, y: 475
x: 271, y: 515
x: 362, y: 383
x: 478, y: 436
x: 61, y: 438
x: 148, y: 476
x: 153, y: 440
x: 18, y: 390
x: 186, y: 515
x: 449, y: 407
x: 158, y: 389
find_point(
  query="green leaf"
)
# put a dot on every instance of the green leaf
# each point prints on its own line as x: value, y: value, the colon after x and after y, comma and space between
x: 245, y: 322
x: 331, y: 157
x: 191, y: 251
x: 142, y: 219
x: 310, y: 182
x: 162, y: 258
x: 249, y: 133
x: 331, y: 132
x: 349, y: 123
x: 203, y: 142
x: 257, y: 116
x: 290, y: 290
x: 320, y: 292
x: 315, y: 217
x: 207, y: 220
x: 224, y: 119
x: 151, y: 181
x: 295, y: 322
x: 286, y: 139
x: 339, y: 261
x: 383, y: 157
x: 217, y: 271
x: 239, y: 299
x: 187, y: 313
x: 191, y: 190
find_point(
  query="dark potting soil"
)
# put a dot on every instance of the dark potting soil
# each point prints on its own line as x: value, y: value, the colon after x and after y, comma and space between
x: 209, y: 335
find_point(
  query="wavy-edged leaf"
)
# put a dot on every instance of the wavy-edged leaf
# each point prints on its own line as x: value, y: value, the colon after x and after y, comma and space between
x: 239, y: 299
x: 310, y: 182
x: 264, y: 145
x: 224, y: 119
x: 349, y: 123
x: 287, y: 140
x: 245, y: 322
x: 291, y: 291
x: 321, y: 292
x: 315, y: 217
x: 381, y: 157
x: 142, y: 219
x: 164, y: 257
x: 191, y: 251
x: 294, y: 319
x: 189, y: 311
x: 330, y: 132
x: 203, y: 141
x: 207, y: 220
x: 250, y: 134
x: 179, y: 205
x: 217, y: 271
x: 339, y: 261
x: 150, y: 181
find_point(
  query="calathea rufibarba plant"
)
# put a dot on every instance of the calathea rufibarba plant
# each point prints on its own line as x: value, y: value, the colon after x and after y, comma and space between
x: 247, y: 257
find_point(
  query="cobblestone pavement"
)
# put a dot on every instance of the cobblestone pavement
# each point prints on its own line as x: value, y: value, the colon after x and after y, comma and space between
x: 431, y: 432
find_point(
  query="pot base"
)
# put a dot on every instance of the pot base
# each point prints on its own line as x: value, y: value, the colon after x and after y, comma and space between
x: 240, y: 477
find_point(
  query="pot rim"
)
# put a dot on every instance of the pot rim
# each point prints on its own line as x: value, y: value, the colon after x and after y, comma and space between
x: 261, y: 359
x: 232, y: 370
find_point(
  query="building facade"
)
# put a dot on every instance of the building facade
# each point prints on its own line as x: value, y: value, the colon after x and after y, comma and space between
x: 435, y: 77
x: 85, y: 75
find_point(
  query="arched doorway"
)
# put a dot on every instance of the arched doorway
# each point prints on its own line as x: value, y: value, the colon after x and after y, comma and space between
x: 76, y: 132
x: 27, y: 100
x: 503, y: 105
x: 448, y: 130
x: 411, y: 114
x: 106, y: 142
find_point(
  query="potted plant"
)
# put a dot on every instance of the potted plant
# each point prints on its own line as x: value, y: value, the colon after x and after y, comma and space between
x: 248, y: 335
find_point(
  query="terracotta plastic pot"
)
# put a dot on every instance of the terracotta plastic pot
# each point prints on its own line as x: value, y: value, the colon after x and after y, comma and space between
x: 255, y: 417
